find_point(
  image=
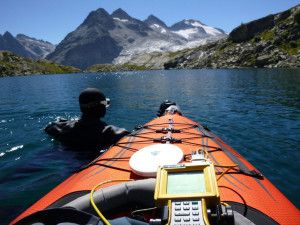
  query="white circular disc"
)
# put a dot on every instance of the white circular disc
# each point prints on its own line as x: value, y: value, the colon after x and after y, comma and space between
x: 146, y: 161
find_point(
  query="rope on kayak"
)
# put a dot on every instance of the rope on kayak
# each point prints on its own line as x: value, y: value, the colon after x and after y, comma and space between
x: 167, y: 140
x: 229, y: 167
x: 140, y: 136
x: 240, y: 196
x: 166, y: 123
x: 114, y: 159
x: 170, y: 140
x: 127, y: 148
x: 204, y: 135
x: 237, y: 170
x: 198, y: 136
x: 165, y: 130
x: 161, y: 130
x: 129, y: 142
x: 168, y: 131
x: 202, y: 145
x: 250, y: 173
x: 113, y: 167
x: 105, y: 221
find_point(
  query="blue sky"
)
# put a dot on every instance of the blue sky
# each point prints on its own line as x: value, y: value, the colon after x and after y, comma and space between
x: 52, y: 20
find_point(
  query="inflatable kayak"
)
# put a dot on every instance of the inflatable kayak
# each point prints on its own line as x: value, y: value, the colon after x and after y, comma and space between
x: 171, y: 170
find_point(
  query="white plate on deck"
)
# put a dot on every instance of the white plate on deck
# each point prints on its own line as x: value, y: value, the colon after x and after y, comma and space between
x: 146, y: 161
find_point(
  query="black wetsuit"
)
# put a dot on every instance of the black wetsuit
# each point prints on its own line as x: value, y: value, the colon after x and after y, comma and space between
x: 88, y: 134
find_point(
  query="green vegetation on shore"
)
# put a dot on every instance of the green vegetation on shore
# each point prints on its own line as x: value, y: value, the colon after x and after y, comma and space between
x: 115, y: 68
x: 12, y: 65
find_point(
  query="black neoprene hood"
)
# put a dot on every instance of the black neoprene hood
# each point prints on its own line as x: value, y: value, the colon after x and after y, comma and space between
x: 91, y: 95
x: 89, y: 101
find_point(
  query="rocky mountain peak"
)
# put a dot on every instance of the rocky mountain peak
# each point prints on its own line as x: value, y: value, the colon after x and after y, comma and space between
x: 99, y: 13
x: 8, y: 35
x: 194, y: 29
x: 25, y: 37
x: 99, y: 16
x: 151, y: 20
x: 22, y: 36
x: 193, y: 22
x: 121, y: 14
x: 9, y: 43
x: 186, y: 24
x: 38, y: 48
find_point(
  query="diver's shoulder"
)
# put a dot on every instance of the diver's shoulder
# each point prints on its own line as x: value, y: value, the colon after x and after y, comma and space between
x: 60, y: 124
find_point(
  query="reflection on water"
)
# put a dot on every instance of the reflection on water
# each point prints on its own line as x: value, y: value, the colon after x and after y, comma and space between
x: 257, y: 111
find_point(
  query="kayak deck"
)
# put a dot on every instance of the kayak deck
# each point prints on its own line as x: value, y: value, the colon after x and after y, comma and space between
x: 242, y: 186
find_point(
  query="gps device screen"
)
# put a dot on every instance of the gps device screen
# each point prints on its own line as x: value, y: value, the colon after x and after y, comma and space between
x: 186, y: 182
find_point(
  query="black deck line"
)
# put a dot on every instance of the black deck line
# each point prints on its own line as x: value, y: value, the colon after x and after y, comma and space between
x: 241, y: 165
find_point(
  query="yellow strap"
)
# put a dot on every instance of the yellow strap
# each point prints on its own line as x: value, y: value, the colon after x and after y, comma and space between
x: 92, y: 198
x: 224, y: 203
x: 204, y: 212
x: 222, y: 174
x: 229, y: 167
x: 226, y: 166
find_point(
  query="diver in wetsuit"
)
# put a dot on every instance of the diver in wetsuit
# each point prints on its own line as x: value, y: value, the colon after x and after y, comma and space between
x: 168, y: 106
x: 89, y: 132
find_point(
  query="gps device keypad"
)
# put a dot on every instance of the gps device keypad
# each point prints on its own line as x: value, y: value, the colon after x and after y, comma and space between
x: 186, y: 212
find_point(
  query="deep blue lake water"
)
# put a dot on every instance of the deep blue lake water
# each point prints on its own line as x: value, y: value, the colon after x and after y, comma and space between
x: 256, y: 111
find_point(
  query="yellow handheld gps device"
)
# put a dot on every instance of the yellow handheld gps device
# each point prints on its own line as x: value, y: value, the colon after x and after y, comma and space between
x: 187, y: 190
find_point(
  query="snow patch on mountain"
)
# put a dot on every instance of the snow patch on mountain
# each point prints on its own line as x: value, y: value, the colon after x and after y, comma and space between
x: 121, y: 20
x: 158, y: 28
x: 182, y: 35
x: 194, y: 30
x: 186, y: 33
x: 208, y: 29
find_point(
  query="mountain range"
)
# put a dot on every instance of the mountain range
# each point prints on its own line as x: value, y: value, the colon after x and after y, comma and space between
x: 116, y: 38
x: 118, y: 41
x: 39, y: 49
x: 105, y: 38
x: 25, y: 46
